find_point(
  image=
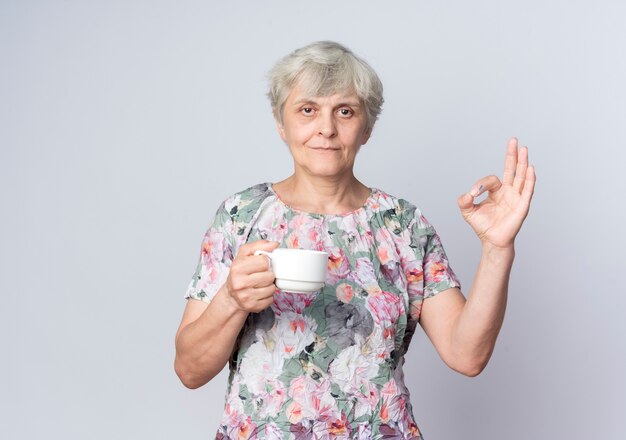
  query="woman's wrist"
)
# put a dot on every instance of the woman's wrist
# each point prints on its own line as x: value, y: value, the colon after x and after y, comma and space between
x: 229, y: 304
x: 498, y: 253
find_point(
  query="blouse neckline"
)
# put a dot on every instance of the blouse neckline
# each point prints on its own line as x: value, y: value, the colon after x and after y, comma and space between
x: 368, y: 203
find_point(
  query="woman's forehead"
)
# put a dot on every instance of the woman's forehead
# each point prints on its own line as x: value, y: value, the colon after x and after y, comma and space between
x: 323, y: 85
x: 300, y: 94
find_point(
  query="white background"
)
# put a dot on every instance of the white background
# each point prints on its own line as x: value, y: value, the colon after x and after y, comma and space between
x: 124, y: 124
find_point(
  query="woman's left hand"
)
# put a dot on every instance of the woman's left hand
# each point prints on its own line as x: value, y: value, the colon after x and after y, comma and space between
x: 497, y: 219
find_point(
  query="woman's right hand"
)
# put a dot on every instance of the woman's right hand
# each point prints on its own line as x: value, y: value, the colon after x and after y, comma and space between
x: 208, y: 332
x: 250, y: 283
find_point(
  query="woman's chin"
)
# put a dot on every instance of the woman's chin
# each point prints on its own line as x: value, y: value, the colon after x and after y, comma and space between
x: 328, y: 171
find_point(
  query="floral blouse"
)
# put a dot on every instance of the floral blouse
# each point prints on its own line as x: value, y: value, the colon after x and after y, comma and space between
x: 326, y: 364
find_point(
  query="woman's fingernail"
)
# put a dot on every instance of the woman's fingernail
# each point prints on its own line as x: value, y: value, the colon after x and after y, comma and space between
x: 474, y: 192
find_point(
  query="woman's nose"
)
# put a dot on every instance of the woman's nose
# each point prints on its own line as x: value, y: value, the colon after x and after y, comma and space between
x: 327, y: 126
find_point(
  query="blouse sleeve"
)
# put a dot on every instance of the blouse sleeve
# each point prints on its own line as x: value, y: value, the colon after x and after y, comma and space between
x: 426, y: 266
x: 216, y: 255
x: 438, y: 275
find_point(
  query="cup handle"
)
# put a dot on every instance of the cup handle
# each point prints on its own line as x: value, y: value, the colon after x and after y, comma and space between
x: 267, y: 254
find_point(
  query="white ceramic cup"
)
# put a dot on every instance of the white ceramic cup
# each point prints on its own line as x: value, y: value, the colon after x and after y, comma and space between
x: 298, y: 270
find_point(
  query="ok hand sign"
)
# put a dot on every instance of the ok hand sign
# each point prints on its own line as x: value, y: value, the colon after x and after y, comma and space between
x: 497, y: 219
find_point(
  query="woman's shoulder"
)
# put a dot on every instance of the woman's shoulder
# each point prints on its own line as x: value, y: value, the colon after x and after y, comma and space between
x: 248, y: 200
x: 399, y: 209
x: 259, y: 191
x: 238, y: 210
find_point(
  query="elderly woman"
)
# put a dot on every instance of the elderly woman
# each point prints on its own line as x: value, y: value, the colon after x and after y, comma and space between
x: 329, y: 364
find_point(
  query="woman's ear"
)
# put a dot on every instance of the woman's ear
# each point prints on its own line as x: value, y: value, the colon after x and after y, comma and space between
x: 366, y: 136
x: 281, y: 130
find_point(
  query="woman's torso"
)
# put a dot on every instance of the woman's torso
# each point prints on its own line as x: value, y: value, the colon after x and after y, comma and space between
x: 329, y: 364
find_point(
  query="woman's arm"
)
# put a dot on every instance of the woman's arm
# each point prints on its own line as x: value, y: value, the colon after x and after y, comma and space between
x: 207, y: 333
x: 464, y: 332
x: 206, y: 338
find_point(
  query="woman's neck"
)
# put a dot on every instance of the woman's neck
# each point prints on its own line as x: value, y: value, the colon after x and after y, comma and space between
x: 322, y: 195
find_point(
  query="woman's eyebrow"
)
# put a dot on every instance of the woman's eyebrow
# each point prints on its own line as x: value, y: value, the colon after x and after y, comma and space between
x: 349, y: 102
x: 305, y: 101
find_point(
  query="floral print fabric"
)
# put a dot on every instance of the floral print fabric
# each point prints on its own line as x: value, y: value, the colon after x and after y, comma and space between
x: 326, y: 364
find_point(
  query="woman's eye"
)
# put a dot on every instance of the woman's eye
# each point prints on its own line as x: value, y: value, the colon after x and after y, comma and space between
x: 307, y: 110
x: 345, y: 112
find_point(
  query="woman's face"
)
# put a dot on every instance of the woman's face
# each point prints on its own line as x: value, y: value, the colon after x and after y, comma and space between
x: 324, y: 133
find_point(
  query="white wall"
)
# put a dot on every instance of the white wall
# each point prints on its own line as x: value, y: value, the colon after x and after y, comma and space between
x: 124, y: 124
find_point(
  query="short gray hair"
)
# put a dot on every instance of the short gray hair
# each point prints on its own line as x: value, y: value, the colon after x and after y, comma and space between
x: 324, y: 68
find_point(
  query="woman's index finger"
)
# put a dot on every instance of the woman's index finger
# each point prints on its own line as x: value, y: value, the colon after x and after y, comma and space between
x: 510, y: 162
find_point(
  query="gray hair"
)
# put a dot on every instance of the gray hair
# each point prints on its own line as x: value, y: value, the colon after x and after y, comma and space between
x: 323, y: 69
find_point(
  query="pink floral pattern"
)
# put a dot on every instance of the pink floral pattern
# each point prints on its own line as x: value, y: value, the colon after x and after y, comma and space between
x: 326, y: 365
